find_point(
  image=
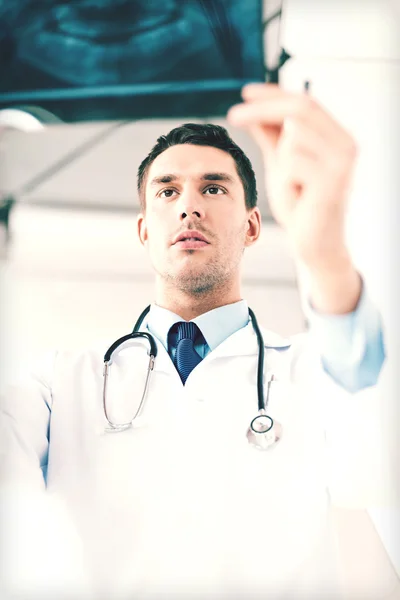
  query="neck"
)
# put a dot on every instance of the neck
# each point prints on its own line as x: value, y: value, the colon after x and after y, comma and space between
x: 189, y: 306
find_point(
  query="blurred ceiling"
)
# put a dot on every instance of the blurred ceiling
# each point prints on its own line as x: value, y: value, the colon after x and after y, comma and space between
x: 90, y: 165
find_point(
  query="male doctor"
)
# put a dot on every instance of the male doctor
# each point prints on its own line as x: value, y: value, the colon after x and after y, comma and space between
x: 181, y: 505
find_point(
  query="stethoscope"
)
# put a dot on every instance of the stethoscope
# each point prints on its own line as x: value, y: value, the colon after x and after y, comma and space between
x: 263, y: 431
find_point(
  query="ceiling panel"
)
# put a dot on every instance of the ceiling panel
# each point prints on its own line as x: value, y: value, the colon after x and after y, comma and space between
x: 25, y: 155
x: 92, y: 165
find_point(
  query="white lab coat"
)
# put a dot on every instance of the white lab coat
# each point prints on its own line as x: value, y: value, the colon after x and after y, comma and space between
x: 181, y: 504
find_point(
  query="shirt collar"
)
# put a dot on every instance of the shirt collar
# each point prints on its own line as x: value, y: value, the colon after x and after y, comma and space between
x: 216, y: 325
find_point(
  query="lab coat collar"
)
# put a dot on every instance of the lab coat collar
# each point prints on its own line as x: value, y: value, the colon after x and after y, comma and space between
x: 216, y: 325
x: 242, y: 343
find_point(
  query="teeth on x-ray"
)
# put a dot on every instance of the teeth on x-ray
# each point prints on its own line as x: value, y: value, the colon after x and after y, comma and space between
x: 86, y: 50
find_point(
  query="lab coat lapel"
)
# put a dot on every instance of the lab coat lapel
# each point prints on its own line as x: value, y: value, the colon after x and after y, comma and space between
x: 244, y: 343
x: 163, y: 363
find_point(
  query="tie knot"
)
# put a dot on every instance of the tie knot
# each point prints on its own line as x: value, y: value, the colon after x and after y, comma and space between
x: 187, y: 331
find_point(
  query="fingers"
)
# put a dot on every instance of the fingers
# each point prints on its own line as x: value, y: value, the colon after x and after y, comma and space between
x: 269, y: 105
x: 257, y: 91
x: 274, y: 111
x: 294, y: 137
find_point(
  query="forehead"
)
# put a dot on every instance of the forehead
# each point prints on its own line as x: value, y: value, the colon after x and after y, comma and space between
x: 190, y: 162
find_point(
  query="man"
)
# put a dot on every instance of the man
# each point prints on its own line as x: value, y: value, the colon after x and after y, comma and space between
x: 309, y: 161
x: 182, y: 504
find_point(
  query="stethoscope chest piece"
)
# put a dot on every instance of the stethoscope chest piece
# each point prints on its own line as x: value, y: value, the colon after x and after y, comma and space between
x: 264, y: 432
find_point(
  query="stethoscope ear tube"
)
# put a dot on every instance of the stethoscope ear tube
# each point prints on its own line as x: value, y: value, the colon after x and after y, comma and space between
x: 135, y: 334
x: 107, y: 363
x: 130, y: 336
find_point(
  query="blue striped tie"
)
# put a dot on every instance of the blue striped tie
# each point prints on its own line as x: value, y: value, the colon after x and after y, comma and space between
x: 186, y: 357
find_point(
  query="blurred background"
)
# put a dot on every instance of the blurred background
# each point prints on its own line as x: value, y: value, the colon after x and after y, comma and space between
x: 87, y: 86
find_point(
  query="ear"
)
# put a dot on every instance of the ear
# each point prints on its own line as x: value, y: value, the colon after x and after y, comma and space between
x: 253, y: 226
x: 142, y: 229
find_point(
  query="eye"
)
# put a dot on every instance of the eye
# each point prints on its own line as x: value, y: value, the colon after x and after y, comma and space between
x: 215, y: 190
x: 168, y: 193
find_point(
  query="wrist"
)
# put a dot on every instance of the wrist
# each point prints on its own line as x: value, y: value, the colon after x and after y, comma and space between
x: 335, y: 287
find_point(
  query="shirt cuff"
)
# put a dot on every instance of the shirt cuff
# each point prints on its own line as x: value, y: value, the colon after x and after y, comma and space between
x: 350, y: 345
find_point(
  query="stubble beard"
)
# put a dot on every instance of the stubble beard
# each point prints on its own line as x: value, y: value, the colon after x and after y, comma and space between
x: 200, y: 281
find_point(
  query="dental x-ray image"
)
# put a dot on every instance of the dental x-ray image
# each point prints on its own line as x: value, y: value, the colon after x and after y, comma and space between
x: 112, y: 59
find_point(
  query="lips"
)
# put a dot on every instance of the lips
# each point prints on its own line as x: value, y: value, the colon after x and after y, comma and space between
x: 191, y: 235
x: 190, y: 240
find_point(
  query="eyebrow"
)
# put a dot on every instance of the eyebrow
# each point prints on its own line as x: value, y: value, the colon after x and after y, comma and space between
x: 169, y: 178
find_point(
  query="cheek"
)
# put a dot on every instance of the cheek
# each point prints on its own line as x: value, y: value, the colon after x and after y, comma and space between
x: 235, y: 233
x: 157, y: 238
x: 156, y: 228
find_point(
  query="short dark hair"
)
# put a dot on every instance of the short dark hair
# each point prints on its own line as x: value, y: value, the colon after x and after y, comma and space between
x: 201, y: 134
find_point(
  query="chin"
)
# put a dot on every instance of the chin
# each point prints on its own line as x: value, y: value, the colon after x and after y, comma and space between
x: 190, y: 274
x: 196, y: 281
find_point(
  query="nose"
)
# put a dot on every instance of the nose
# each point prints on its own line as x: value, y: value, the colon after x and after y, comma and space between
x: 190, y: 206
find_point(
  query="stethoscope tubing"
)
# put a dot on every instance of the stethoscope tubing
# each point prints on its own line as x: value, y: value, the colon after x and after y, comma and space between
x: 136, y: 333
